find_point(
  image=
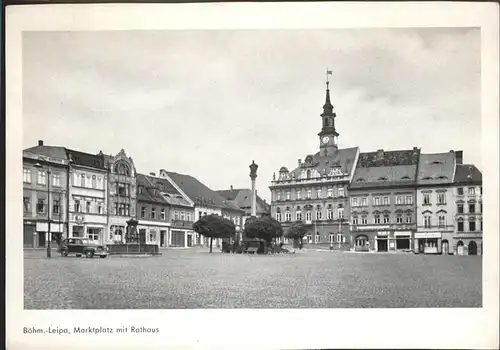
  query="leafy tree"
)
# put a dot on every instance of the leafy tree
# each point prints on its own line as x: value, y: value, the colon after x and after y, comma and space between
x: 265, y: 228
x: 214, y: 226
x: 297, y: 232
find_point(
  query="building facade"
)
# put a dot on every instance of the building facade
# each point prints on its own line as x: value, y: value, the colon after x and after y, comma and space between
x: 122, y: 194
x: 87, y: 196
x: 436, y: 209
x: 242, y: 198
x: 45, y: 186
x: 315, y: 193
x: 467, y: 197
x: 382, y: 195
x: 164, y: 212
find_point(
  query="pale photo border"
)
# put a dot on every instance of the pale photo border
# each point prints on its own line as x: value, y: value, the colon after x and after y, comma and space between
x: 247, y: 328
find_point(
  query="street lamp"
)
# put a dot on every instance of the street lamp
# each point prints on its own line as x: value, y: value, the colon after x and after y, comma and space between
x: 49, y: 238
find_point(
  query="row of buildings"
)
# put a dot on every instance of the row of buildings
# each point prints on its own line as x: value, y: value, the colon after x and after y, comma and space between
x: 381, y: 200
x: 88, y: 195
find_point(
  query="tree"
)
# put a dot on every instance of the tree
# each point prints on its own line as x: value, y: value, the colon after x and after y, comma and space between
x: 265, y: 228
x: 297, y: 232
x: 214, y: 226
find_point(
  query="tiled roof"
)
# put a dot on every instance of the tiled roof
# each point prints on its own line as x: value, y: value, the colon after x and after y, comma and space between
x: 436, y: 168
x: 468, y: 173
x: 384, y: 176
x: 86, y: 159
x: 344, y: 158
x: 200, y: 194
x: 49, y: 151
x: 243, y: 199
x: 159, y: 190
x: 388, y: 158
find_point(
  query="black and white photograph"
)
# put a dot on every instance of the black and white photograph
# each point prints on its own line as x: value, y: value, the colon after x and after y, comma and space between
x: 240, y: 169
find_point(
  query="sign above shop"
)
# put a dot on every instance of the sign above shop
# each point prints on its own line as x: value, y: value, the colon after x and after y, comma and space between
x: 427, y: 234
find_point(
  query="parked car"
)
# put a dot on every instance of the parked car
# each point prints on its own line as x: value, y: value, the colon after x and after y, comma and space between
x: 82, y: 246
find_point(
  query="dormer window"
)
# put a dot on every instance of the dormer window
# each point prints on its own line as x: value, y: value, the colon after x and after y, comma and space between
x: 436, y: 162
x: 382, y: 178
x: 427, y: 178
x: 441, y: 177
x: 405, y: 178
x: 360, y: 180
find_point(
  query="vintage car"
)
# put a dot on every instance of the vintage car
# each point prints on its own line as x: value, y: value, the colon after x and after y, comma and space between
x: 82, y: 246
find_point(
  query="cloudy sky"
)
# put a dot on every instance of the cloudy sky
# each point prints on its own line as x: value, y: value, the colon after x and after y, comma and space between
x: 207, y: 103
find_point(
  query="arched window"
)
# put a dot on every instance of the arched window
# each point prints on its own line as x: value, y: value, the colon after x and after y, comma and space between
x: 308, y: 173
x: 82, y: 180
x: 94, y: 181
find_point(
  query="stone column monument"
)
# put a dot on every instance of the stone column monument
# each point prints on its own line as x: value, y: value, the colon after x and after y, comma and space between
x: 253, y: 176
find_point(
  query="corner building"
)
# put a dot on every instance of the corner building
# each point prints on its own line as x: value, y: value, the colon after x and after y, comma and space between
x: 315, y: 193
x: 382, y: 196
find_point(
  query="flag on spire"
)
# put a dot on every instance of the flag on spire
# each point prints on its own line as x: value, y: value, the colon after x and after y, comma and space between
x: 328, y: 72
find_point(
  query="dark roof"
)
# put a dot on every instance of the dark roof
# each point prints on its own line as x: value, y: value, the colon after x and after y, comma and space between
x: 86, y: 159
x: 159, y: 190
x: 388, y: 158
x: 436, y: 168
x: 468, y: 173
x: 49, y: 151
x: 243, y: 199
x: 199, y: 193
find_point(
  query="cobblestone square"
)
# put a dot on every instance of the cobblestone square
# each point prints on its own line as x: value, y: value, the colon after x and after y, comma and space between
x: 193, y: 278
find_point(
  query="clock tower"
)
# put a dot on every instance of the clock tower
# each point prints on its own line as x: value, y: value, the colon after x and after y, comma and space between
x: 328, y: 136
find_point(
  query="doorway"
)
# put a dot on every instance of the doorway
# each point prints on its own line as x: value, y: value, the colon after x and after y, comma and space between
x: 190, y: 240
x: 460, y: 248
x: 445, y: 247
x: 382, y: 245
x: 472, y: 248
x: 41, y: 239
x: 142, y: 236
x: 162, y: 238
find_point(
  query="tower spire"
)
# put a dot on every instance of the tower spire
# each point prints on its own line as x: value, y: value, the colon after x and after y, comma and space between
x: 328, y: 135
x: 327, y: 107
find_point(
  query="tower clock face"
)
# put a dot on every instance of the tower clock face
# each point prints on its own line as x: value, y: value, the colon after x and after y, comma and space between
x: 325, y: 139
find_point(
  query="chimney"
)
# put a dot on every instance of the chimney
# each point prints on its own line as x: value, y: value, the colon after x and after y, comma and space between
x: 459, y: 156
x: 231, y: 187
x: 300, y: 162
x: 379, y: 159
x: 40, y: 142
x: 152, y: 174
x: 162, y: 171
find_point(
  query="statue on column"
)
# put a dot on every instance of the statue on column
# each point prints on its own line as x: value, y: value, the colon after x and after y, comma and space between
x: 253, y: 170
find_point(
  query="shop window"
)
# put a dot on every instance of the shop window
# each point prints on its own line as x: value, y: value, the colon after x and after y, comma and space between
x: 93, y: 234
